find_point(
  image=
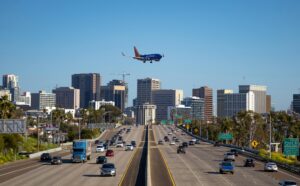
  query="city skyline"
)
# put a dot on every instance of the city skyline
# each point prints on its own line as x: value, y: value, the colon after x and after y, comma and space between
x: 220, y: 45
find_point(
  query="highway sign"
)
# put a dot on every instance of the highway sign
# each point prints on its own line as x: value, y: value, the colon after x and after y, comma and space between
x: 187, y: 121
x: 225, y: 136
x: 11, y: 126
x: 163, y: 122
x: 196, y: 130
x: 291, y: 146
x: 187, y: 127
x: 254, y: 143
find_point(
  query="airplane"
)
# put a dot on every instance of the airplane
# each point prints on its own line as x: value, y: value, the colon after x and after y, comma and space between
x: 145, y: 57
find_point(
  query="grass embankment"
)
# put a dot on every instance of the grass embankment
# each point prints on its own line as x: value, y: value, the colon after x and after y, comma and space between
x: 29, y: 145
x: 279, y: 157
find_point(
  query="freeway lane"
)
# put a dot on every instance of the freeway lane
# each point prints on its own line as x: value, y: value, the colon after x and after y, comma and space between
x: 200, y: 165
x: 79, y: 174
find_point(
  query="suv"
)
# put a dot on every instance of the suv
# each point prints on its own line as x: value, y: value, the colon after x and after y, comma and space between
x: 249, y: 162
x: 46, y: 157
x: 226, y: 166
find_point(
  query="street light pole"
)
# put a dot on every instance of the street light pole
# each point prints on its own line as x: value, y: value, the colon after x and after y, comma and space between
x: 38, y: 134
x: 270, y: 156
x: 79, y: 132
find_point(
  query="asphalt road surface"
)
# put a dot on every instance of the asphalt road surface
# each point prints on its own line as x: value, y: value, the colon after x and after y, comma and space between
x: 200, y: 165
x: 76, y: 173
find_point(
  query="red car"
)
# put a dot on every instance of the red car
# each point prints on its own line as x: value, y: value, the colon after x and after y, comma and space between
x: 109, y: 153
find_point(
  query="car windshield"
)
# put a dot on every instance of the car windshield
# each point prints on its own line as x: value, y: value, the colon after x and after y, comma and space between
x: 290, y: 183
x: 111, y: 166
x: 226, y: 164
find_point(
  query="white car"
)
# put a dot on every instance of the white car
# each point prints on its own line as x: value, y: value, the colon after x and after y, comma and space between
x: 194, y: 139
x: 271, y: 166
x: 229, y: 156
x: 170, y: 133
x: 129, y: 147
x: 172, y: 143
x: 100, y: 148
x: 120, y: 144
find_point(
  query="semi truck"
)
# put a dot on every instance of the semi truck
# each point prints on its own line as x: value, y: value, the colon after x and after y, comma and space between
x: 82, y: 150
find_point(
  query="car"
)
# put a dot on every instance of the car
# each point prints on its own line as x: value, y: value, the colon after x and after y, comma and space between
x: 217, y: 144
x: 194, y: 139
x: 96, y: 141
x: 129, y: 147
x: 109, y: 153
x: 229, y: 156
x: 101, y: 160
x: 180, y: 149
x: 46, y: 157
x: 191, y: 143
x: 197, y: 141
x: 174, y: 138
x: 108, y: 169
x: 100, y: 148
x: 287, y: 183
x: 160, y: 142
x: 182, y: 133
x: 56, y: 160
x: 170, y: 133
x: 249, y: 162
x: 120, y: 144
x: 172, y: 143
x: 177, y: 140
x: 185, y: 144
x: 226, y: 166
x: 133, y: 143
x: 105, y: 145
x: 166, y: 139
x: 270, y: 166
x: 234, y: 151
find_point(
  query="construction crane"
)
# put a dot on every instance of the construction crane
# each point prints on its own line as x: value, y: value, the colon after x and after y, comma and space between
x: 124, y: 75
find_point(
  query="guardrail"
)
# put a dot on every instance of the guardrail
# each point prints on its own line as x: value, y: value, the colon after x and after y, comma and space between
x: 252, y: 153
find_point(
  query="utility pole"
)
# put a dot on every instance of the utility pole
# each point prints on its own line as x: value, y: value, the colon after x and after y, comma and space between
x: 270, y: 137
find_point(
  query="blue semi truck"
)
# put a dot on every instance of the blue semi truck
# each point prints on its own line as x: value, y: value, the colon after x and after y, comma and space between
x: 82, y: 150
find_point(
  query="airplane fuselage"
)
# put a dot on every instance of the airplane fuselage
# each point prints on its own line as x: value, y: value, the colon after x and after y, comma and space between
x: 149, y: 57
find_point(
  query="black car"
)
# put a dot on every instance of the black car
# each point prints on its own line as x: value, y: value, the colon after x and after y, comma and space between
x: 217, y: 144
x: 185, y: 144
x: 46, y: 157
x: 133, y: 143
x: 234, y: 151
x: 180, y: 149
x: 249, y: 162
x: 101, y: 160
x: 197, y: 141
x: 56, y: 160
x: 166, y: 138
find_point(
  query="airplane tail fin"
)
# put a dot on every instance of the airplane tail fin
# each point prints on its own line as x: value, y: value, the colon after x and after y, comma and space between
x: 136, y: 52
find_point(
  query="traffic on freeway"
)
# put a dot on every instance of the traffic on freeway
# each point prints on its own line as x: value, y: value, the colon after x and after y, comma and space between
x: 155, y: 155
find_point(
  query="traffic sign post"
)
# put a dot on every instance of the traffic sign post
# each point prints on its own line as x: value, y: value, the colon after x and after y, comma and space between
x: 291, y: 147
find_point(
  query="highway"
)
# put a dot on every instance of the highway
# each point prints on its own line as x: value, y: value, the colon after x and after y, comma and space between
x: 200, y: 165
x: 74, y: 173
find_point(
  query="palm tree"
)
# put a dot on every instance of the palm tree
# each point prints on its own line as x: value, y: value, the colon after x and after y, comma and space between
x: 6, y: 107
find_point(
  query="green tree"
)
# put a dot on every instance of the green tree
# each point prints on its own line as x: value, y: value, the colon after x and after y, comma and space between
x: 6, y: 108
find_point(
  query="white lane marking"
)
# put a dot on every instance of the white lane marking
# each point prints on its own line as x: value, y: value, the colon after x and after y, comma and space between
x: 191, y: 170
x: 20, y: 170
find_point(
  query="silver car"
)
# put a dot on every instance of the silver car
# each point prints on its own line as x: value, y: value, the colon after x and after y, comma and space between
x: 229, y: 156
x: 271, y: 166
x: 108, y: 169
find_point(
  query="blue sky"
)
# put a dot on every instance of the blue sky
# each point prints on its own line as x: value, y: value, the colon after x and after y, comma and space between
x: 221, y: 44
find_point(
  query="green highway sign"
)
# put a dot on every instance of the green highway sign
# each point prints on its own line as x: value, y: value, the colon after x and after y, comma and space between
x: 163, y: 122
x: 171, y: 122
x: 291, y: 146
x: 187, y: 121
x: 225, y: 136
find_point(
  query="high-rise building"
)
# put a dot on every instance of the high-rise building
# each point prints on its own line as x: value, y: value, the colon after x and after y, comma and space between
x: 163, y: 98
x: 116, y: 91
x: 11, y: 82
x: 25, y: 98
x: 43, y: 100
x: 207, y: 94
x: 67, y: 97
x: 145, y: 88
x: 229, y: 103
x: 268, y: 104
x: 197, y: 105
x: 296, y: 103
x: 89, y: 86
x: 260, y: 93
x: 145, y: 114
